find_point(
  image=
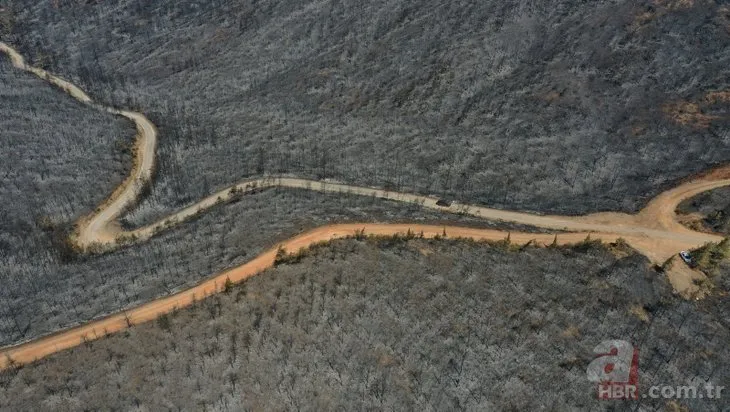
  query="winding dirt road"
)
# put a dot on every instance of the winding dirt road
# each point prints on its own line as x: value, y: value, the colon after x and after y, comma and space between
x: 95, y: 229
x: 655, y: 231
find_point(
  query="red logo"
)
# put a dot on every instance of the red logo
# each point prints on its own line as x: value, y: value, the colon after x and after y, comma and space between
x: 615, y: 370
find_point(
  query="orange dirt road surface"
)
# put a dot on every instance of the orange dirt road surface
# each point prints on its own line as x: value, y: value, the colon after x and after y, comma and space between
x: 45, y: 346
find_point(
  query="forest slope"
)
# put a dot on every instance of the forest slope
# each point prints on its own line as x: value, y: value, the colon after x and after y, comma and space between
x: 429, y: 325
x: 564, y: 106
x: 61, y: 159
x: 52, y: 292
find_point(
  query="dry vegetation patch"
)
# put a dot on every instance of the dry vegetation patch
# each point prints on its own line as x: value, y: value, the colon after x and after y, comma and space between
x: 661, y: 8
x: 718, y: 97
x: 702, y: 113
x: 688, y: 114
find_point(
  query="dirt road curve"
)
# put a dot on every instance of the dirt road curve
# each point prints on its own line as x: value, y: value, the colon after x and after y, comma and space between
x: 654, y: 231
x: 95, y: 228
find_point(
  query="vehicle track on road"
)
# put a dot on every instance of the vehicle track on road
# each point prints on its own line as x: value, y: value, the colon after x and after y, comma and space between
x: 654, y: 231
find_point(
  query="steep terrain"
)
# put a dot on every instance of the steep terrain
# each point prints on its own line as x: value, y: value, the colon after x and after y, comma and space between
x: 565, y: 106
x: 390, y: 325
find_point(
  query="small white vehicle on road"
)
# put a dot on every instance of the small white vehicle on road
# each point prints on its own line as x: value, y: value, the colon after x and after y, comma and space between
x: 686, y: 257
